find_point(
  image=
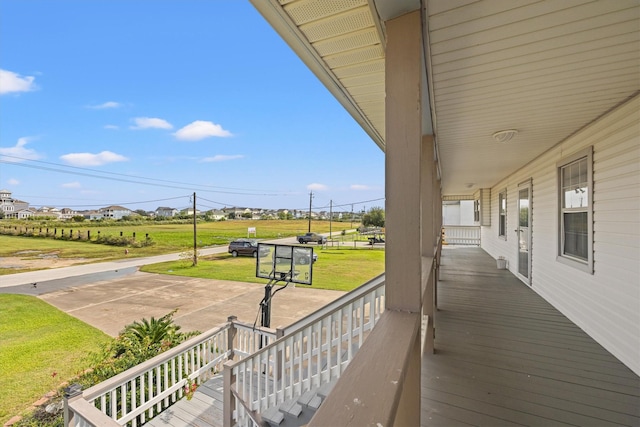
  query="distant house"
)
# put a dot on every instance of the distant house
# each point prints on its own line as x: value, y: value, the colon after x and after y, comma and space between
x: 216, y: 214
x: 22, y: 214
x: 189, y: 212
x: 166, y: 212
x: 237, y: 212
x: 9, y: 206
x: 67, y: 213
x: 91, y: 215
x: 114, y: 212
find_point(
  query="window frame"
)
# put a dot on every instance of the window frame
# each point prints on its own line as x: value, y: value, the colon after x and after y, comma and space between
x: 580, y: 264
x: 476, y: 210
x: 502, y: 213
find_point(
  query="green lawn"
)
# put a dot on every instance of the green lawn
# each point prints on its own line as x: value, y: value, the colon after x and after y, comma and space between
x: 167, y: 238
x: 340, y: 269
x: 41, y: 347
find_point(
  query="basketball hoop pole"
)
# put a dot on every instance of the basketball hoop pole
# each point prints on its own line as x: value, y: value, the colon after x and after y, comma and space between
x: 266, y: 306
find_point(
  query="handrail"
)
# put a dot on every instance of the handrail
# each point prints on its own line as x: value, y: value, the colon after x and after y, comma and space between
x: 141, y: 392
x: 85, y: 414
x: 255, y: 416
x: 375, y: 399
x: 138, y: 394
x: 123, y: 377
x: 368, y: 392
x: 461, y: 234
x: 336, y: 304
x: 249, y: 338
x: 312, y: 352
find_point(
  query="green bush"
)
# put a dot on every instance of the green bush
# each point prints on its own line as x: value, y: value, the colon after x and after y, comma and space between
x: 137, y: 342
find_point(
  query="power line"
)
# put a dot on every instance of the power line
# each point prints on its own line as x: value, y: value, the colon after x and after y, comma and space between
x: 118, y: 203
x: 130, y: 178
x: 348, y: 204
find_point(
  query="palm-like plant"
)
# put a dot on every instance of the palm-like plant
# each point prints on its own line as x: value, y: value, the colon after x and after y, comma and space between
x: 155, y: 331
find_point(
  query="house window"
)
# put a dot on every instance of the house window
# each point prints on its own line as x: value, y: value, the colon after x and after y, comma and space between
x: 476, y: 210
x: 502, y: 214
x: 575, y: 177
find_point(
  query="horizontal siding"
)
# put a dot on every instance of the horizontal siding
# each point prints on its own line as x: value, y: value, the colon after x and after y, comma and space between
x: 605, y: 304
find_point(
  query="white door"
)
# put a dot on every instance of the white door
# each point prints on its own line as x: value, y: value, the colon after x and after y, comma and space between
x: 524, y: 231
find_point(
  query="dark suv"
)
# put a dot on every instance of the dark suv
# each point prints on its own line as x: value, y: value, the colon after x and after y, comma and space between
x: 243, y: 247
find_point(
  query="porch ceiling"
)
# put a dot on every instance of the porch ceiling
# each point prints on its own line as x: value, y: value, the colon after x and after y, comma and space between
x: 544, y: 68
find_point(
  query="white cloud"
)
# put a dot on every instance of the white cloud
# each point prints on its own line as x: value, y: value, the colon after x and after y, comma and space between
x: 151, y: 123
x: 12, y: 82
x: 105, y: 105
x: 222, y: 158
x: 90, y: 159
x: 9, y: 154
x: 74, y: 184
x: 317, y: 187
x: 200, y: 129
x: 13, y: 181
x: 359, y: 187
x: 111, y: 127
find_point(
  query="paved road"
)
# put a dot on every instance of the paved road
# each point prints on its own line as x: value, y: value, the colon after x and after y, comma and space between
x: 108, y: 269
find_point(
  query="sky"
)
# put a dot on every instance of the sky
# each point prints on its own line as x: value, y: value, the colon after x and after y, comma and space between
x: 141, y: 104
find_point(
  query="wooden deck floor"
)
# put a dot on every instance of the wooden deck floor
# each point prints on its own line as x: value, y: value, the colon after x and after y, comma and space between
x: 203, y: 410
x: 504, y: 356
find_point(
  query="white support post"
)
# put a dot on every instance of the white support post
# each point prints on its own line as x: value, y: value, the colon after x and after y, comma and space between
x: 403, y: 158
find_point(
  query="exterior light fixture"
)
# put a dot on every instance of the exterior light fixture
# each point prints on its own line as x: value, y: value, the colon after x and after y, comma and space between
x: 504, y: 135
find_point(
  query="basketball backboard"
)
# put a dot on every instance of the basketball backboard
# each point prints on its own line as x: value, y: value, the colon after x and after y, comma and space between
x: 285, y: 263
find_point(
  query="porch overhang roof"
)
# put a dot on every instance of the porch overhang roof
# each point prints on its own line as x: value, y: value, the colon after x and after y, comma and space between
x: 544, y: 69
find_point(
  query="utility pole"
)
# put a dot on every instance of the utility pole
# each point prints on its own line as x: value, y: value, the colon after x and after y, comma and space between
x: 195, y: 246
x: 330, y: 216
x: 310, y: 197
x: 351, y: 215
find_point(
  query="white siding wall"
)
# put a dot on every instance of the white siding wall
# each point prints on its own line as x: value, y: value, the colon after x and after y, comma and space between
x: 606, y: 304
x: 466, y: 212
x: 451, y: 214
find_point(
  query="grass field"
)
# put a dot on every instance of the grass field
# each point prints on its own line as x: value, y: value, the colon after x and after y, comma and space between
x: 340, y: 269
x: 167, y: 238
x: 41, y: 348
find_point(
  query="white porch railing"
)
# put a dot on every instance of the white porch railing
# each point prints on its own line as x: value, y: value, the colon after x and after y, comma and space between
x: 309, y: 354
x: 142, y: 392
x: 377, y: 379
x: 461, y: 235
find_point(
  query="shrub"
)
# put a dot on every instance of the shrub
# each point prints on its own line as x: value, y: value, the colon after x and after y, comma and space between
x: 137, y: 342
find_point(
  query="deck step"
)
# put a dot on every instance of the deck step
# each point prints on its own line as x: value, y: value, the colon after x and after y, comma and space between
x: 290, y: 407
x: 273, y: 416
x: 310, y: 399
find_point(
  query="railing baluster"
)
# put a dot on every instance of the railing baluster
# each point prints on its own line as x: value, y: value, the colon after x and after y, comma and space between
x: 361, y: 322
x: 350, y: 333
x: 123, y: 400
x: 113, y: 401
x: 134, y: 403
x: 143, y: 399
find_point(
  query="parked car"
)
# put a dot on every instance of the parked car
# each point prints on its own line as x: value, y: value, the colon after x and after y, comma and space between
x: 301, y: 256
x: 311, y: 237
x: 244, y: 247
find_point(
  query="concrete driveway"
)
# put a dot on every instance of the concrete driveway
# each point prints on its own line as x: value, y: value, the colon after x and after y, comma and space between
x: 202, y: 303
x: 110, y: 295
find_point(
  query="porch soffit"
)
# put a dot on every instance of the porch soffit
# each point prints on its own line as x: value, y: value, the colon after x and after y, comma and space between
x: 545, y: 68
x: 339, y: 40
